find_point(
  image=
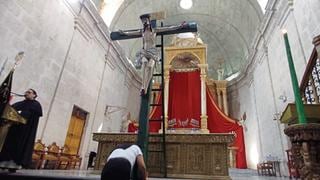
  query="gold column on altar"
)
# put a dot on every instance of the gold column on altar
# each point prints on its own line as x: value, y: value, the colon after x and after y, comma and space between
x: 225, y: 101
x: 204, y: 117
x: 219, y: 99
x: 221, y: 86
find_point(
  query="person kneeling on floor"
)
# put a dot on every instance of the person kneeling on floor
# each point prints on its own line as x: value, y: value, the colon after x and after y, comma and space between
x: 124, y: 163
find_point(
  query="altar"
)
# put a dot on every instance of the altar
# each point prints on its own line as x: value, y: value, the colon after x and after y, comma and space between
x: 201, y: 141
x: 195, y: 156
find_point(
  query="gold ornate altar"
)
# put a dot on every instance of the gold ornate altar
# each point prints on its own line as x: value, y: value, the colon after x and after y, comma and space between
x: 190, y: 154
x: 188, y: 54
x: 183, y: 55
x: 196, y: 156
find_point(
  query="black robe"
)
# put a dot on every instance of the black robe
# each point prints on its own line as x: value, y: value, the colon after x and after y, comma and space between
x: 20, y: 139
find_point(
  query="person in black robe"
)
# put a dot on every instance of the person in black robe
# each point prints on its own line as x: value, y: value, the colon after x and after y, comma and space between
x: 18, y: 147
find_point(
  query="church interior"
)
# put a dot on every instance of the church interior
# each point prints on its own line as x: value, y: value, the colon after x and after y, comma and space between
x: 234, y: 88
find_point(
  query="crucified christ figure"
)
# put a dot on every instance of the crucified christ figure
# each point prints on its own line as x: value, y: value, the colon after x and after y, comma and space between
x: 149, y: 54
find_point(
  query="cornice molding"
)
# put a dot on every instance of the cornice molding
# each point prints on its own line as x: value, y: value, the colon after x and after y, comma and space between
x: 83, y: 24
x: 263, y: 36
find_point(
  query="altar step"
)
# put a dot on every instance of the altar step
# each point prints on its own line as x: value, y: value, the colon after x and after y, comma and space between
x: 49, y: 175
x: 30, y: 177
x: 236, y: 174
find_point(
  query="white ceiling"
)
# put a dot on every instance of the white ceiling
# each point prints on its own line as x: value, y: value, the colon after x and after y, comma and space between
x: 226, y: 26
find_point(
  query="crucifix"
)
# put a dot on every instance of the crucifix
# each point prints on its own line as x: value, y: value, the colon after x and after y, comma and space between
x: 149, y: 54
x: 145, y: 59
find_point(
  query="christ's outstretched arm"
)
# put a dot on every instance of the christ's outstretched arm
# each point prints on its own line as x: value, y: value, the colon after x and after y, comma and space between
x: 170, y: 28
x: 131, y: 32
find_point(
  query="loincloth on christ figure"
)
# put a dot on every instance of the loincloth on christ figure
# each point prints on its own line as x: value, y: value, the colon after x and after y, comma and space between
x: 145, y: 55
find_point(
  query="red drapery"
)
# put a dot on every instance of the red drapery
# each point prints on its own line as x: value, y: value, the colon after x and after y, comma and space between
x: 184, y: 103
x: 184, y: 100
x: 132, y: 128
x: 156, y: 113
x: 218, y: 122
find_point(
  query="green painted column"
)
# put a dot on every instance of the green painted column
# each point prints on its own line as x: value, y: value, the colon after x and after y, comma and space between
x: 294, y: 80
x: 143, y: 133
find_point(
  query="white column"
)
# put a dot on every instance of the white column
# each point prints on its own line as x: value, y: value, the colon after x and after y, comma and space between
x: 219, y: 98
x: 222, y: 95
x: 225, y: 101
x: 204, y: 117
x: 166, y: 93
x: 166, y: 100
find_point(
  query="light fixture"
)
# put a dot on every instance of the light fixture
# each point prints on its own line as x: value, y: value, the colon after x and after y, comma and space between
x: 277, y: 116
x: 186, y: 4
x: 284, y: 98
x: 284, y: 31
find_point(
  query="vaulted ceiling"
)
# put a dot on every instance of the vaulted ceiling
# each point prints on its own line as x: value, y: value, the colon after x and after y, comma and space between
x: 226, y: 26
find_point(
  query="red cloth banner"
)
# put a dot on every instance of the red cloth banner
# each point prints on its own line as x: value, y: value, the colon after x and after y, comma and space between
x: 218, y: 122
x: 184, y: 107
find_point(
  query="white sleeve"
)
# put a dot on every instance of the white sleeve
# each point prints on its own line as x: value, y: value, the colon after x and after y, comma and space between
x: 136, y: 150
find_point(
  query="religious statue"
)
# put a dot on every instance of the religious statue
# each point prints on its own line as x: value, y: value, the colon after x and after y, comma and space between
x: 149, y: 54
x: 220, y: 69
x: 147, y: 57
x: 220, y: 72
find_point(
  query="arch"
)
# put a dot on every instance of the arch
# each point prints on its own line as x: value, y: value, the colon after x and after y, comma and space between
x: 185, y: 60
x: 219, y: 24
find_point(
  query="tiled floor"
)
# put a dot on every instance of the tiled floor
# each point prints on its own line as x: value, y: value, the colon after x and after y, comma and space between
x: 244, y: 174
x: 236, y: 174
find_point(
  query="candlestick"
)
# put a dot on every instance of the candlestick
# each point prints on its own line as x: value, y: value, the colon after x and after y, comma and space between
x: 295, y: 86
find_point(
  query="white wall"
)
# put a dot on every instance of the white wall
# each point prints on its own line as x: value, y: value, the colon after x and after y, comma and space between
x: 70, y: 60
x: 267, y: 77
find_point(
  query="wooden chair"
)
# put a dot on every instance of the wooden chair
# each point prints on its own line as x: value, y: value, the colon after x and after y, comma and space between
x: 51, y: 158
x: 64, y: 158
x: 75, y: 162
x: 265, y: 169
x: 68, y: 160
x: 37, y: 155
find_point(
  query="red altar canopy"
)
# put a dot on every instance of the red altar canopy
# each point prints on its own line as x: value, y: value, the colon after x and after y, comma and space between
x: 184, y: 109
x: 218, y: 122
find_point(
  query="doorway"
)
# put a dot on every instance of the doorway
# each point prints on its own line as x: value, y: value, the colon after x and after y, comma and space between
x: 75, y: 130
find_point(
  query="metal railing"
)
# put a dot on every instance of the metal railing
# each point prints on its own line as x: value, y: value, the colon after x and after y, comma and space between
x: 310, y: 84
